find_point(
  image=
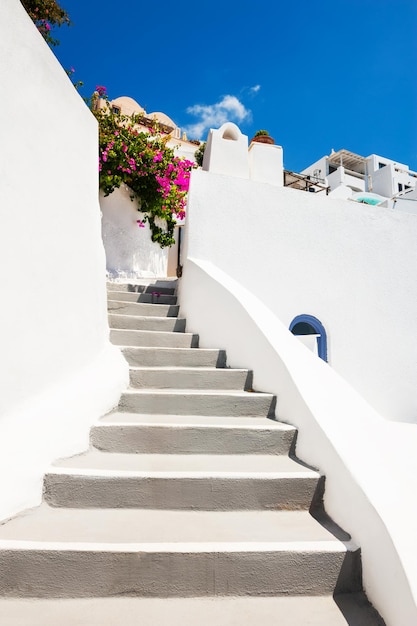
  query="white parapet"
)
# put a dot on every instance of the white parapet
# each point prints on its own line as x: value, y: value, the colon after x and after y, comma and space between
x: 266, y: 163
x: 59, y: 371
x: 227, y: 152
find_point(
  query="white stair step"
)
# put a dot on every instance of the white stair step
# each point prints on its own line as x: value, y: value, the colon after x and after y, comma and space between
x: 152, y: 338
x: 180, y: 357
x: 155, y: 297
x: 167, y: 289
x: 196, y: 402
x: 150, y: 553
x: 143, y: 284
x: 210, y: 464
x: 215, y: 611
x: 141, y: 309
x: 134, y: 433
x: 189, y: 378
x: 136, y: 322
x: 68, y: 570
x: 170, y: 481
x: 135, y: 526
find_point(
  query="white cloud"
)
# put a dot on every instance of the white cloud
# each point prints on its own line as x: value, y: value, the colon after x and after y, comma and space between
x: 255, y: 89
x: 229, y: 109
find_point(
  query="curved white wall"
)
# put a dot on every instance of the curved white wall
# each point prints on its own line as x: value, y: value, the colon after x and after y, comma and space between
x: 350, y: 265
x: 369, y: 463
x: 58, y: 370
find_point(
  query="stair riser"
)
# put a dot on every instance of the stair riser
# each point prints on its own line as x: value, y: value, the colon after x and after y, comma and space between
x: 49, y: 573
x: 212, y: 493
x: 131, y: 308
x: 143, y: 338
x: 174, y: 357
x: 148, y: 298
x: 191, y: 379
x: 198, y: 404
x: 130, y: 322
x: 138, y: 289
x: 190, y: 440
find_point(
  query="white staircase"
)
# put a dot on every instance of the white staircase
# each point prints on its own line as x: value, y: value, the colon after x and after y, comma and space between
x: 188, y: 508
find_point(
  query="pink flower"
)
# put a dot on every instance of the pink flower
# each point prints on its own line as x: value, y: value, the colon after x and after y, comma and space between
x: 140, y: 223
x: 102, y: 91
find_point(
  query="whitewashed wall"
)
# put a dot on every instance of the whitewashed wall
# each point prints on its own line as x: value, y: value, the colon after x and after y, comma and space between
x: 369, y: 463
x: 350, y: 265
x: 255, y: 257
x: 58, y: 371
x: 130, y: 251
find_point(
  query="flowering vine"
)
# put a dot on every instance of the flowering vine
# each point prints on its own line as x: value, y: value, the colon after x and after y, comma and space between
x: 140, y: 159
x: 46, y: 14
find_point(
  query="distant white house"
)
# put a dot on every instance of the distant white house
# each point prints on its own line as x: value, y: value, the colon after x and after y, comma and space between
x: 372, y: 180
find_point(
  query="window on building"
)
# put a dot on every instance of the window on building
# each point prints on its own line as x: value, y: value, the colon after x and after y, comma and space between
x: 381, y: 165
x: 115, y: 109
x: 400, y: 186
x: 310, y: 325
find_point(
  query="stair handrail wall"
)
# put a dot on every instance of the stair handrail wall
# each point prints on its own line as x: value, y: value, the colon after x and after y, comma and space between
x: 369, y: 487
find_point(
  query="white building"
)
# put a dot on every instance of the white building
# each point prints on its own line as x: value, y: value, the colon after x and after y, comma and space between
x: 373, y: 179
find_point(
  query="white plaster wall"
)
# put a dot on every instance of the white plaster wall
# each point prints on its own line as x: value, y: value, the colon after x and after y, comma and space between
x: 227, y: 151
x: 321, y: 165
x: 58, y: 371
x: 370, y: 463
x: 383, y: 181
x: 183, y: 149
x: 266, y: 163
x: 130, y: 251
x: 341, y: 178
x: 351, y: 266
x: 407, y: 202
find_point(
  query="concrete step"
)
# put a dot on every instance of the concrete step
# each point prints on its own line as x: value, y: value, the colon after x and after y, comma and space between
x: 190, y: 378
x: 142, y: 309
x: 151, y: 298
x: 153, y: 338
x: 168, y: 434
x: 195, y: 402
x: 65, y: 553
x: 343, y: 609
x: 168, y: 288
x: 165, y: 285
x: 175, y: 481
x: 134, y: 322
x: 177, y: 357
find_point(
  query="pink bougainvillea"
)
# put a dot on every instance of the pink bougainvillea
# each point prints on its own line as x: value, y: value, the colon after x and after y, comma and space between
x: 141, y: 159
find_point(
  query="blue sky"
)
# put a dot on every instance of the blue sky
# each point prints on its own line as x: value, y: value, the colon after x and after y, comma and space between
x: 317, y: 75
